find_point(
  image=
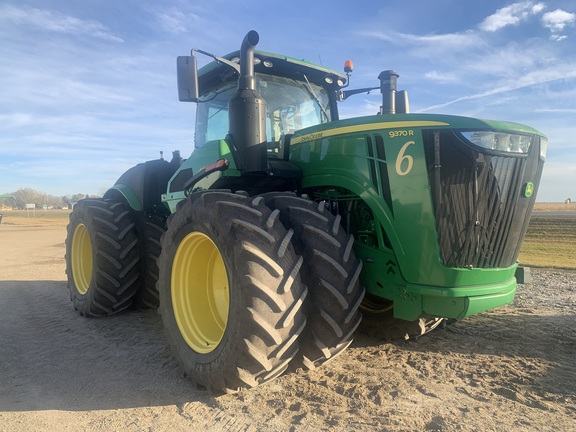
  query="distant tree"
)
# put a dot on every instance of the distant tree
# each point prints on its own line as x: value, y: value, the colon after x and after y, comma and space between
x: 54, y: 201
x: 26, y: 196
x: 76, y: 197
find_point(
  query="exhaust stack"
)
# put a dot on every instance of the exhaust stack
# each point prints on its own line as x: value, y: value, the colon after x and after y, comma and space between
x: 247, y: 113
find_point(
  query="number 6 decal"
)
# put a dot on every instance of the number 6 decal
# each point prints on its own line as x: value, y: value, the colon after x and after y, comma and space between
x: 404, y: 157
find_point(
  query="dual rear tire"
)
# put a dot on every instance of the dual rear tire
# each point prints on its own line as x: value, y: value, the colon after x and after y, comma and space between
x: 111, y: 260
x: 247, y: 285
x: 102, y: 257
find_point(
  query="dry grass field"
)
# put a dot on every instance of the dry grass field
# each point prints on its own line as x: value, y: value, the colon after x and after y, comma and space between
x: 550, y: 241
x: 551, y: 238
x: 554, y: 207
x: 36, y: 217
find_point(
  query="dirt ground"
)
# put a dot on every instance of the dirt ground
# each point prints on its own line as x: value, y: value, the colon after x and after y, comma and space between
x: 513, y: 368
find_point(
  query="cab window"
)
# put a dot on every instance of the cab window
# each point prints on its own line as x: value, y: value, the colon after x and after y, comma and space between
x: 291, y: 105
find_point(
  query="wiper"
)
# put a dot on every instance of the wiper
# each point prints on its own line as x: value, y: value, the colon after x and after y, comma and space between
x: 311, y: 92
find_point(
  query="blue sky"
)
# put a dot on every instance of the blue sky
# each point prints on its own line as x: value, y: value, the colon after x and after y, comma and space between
x: 88, y: 88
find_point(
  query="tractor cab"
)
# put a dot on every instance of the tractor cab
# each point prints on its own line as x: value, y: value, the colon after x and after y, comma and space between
x: 297, y: 95
x: 291, y: 105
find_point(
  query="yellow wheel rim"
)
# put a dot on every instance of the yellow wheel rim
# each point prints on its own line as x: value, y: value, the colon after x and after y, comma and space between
x: 81, y: 257
x: 200, y: 296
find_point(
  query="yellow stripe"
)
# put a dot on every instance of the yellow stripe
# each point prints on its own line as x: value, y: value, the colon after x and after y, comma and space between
x: 363, y: 128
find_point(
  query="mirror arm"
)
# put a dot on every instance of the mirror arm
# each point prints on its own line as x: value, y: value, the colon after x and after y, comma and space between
x: 347, y: 93
x: 222, y: 60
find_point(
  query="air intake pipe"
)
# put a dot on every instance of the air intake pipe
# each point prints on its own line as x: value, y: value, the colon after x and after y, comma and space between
x: 388, y: 80
x: 247, y: 113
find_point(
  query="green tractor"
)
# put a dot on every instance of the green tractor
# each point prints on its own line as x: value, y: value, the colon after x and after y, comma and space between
x: 263, y: 248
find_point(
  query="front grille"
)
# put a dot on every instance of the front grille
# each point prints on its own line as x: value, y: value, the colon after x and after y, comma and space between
x: 481, y: 210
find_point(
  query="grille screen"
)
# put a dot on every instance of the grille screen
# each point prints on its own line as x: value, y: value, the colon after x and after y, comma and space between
x: 480, y: 208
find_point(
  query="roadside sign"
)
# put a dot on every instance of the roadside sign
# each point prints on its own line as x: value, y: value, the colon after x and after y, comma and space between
x: 31, y: 206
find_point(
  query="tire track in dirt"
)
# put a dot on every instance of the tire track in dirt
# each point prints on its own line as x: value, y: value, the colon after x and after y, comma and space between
x: 53, y: 359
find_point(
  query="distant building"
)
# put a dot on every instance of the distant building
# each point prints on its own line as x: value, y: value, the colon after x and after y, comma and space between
x: 568, y: 201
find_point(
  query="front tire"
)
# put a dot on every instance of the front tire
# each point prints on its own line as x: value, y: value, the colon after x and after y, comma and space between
x: 102, y: 257
x: 230, y: 291
x: 331, y: 272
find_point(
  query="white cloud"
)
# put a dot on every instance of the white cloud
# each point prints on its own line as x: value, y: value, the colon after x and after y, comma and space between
x: 56, y: 22
x: 557, y: 21
x: 13, y: 120
x: 172, y: 21
x: 446, y: 40
x: 442, y: 77
x: 513, y: 14
x: 531, y: 79
x: 556, y: 110
x: 176, y: 20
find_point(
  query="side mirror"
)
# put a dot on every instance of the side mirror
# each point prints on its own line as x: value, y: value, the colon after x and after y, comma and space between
x: 187, y: 72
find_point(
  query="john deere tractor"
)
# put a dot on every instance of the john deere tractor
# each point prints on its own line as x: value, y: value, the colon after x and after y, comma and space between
x: 262, y: 249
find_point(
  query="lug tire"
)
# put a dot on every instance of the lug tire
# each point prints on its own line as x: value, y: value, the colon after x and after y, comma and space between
x: 247, y: 333
x: 331, y: 273
x: 150, y: 248
x: 102, y: 257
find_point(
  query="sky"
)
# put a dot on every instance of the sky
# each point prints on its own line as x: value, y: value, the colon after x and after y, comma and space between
x: 88, y: 88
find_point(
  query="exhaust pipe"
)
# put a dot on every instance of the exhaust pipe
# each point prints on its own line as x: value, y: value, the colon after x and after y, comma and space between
x: 246, y: 79
x: 247, y: 113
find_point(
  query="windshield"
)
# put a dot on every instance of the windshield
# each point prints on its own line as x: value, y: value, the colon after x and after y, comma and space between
x: 291, y: 105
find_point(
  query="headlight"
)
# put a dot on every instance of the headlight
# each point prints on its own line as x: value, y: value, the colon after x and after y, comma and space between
x: 543, y: 147
x: 500, y: 141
